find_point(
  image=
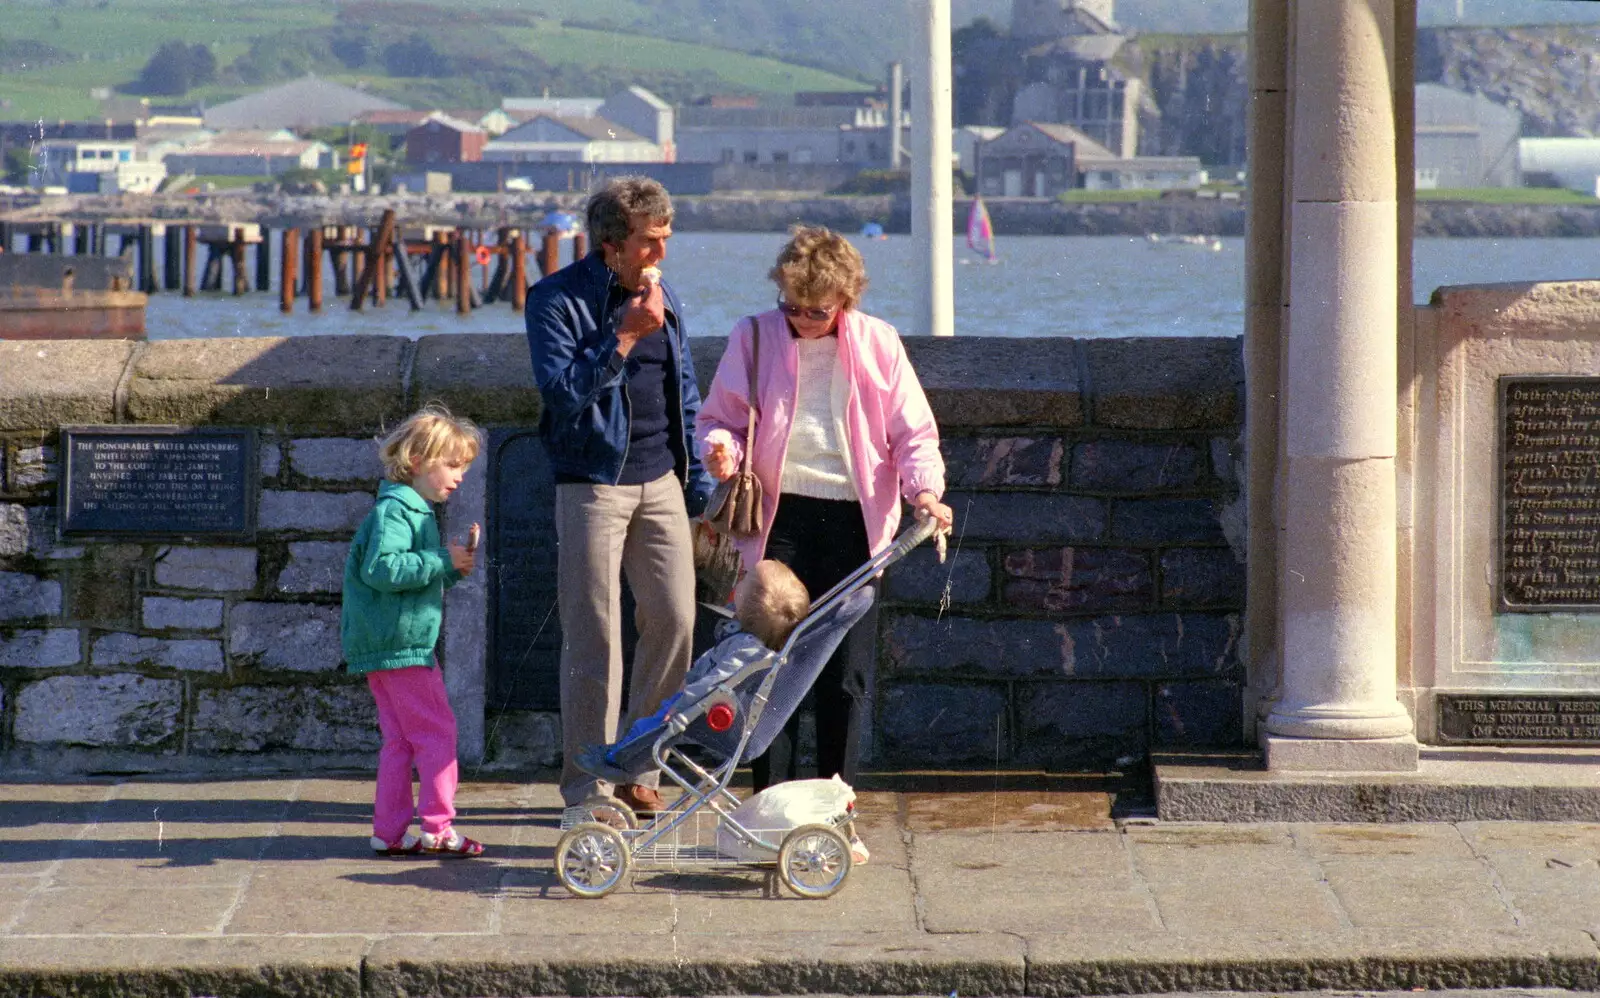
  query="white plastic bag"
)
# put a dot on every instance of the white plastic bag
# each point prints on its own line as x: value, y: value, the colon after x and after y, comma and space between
x: 782, y: 807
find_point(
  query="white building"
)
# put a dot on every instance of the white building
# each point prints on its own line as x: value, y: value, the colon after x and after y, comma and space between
x: 560, y: 107
x: 644, y: 114
x: 549, y: 139
x: 252, y: 154
x: 783, y: 135
x: 1465, y: 140
x: 1571, y: 163
x: 96, y: 166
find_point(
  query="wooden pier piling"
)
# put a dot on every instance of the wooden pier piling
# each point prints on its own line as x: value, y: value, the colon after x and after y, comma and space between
x: 191, y: 242
x: 314, y: 269
x: 264, y: 261
x: 463, y: 273
x: 172, y: 258
x: 288, y: 268
x: 550, y: 253
x: 519, y: 271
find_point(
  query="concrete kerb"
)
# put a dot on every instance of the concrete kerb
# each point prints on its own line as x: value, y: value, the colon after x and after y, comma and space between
x: 796, y: 963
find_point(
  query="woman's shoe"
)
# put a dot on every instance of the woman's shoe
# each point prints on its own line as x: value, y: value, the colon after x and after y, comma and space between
x: 406, y: 845
x: 450, y: 844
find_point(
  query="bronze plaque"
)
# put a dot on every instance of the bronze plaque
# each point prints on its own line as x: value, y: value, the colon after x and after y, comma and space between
x: 1549, y: 494
x: 137, y: 482
x: 1518, y: 719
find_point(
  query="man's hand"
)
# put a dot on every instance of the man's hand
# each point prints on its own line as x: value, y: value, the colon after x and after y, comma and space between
x: 646, y: 314
x: 463, y: 559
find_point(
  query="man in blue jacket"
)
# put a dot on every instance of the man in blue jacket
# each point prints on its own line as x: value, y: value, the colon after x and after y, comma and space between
x: 611, y: 359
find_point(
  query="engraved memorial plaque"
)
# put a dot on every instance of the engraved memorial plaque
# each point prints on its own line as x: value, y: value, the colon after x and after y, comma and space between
x: 1518, y: 719
x: 1549, y: 494
x: 158, y: 481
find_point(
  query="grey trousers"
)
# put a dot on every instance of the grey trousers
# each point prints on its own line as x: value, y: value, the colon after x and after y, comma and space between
x: 602, y: 532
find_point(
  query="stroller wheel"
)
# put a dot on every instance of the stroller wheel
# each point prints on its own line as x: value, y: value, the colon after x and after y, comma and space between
x: 608, y: 811
x: 814, y: 861
x: 592, y: 859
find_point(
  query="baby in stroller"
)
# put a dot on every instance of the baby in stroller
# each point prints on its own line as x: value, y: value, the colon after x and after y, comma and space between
x: 768, y: 602
x: 738, y: 697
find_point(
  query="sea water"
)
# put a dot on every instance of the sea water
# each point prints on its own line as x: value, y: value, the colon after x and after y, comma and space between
x: 1084, y: 286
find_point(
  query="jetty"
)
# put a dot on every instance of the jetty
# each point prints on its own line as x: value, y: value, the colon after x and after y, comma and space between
x: 368, y: 265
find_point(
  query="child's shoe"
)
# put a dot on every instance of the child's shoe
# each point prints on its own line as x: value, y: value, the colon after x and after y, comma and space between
x: 406, y: 845
x: 450, y: 843
x: 858, y: 850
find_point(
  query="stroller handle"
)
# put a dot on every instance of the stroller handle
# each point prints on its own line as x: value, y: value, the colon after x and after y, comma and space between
x: 902, y: 546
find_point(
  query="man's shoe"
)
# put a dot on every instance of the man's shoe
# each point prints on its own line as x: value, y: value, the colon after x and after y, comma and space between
x: 643, y: 800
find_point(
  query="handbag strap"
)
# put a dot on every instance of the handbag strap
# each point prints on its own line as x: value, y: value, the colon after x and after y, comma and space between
x: 750, y: 395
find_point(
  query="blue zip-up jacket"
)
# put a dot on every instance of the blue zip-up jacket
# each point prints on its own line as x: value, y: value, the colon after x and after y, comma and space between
x: 583, y: 380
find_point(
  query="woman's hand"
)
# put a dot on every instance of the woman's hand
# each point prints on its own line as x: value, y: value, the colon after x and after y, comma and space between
x: 717, y: 455
x: 720, y: 463
x: 927, y: 504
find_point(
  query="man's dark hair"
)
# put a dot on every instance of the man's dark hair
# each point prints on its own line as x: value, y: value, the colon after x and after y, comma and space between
x: 611, y: 209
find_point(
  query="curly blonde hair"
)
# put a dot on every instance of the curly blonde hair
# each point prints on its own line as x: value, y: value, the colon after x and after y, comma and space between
x: 816, y: 265
x: 430, y: 434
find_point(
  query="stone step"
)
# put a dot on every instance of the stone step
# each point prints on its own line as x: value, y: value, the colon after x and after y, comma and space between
x: 1451, y: 784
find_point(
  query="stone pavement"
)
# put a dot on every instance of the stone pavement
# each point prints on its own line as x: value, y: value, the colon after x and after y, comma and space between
x: 1014, y: 885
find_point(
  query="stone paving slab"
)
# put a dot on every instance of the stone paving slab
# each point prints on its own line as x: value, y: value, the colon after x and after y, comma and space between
x: 268, y: 887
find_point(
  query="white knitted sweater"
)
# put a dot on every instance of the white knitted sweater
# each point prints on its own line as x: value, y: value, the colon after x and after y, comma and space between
x: 818, y: 461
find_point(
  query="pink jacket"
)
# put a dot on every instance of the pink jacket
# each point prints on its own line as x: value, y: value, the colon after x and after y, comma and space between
x: 894, y: 442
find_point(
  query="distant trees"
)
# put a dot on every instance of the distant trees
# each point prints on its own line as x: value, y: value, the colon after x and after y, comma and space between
x: 174, y: 70
x: 415, y: 56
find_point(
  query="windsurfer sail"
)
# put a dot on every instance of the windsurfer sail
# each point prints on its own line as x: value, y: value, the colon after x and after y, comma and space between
x: 980, y: 231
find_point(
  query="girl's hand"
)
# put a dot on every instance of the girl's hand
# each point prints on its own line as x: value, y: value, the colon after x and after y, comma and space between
x: 464, y: 559
x: 927, y: 504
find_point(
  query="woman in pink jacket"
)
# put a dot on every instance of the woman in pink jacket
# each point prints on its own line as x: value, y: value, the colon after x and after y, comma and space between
x: 843, y: 434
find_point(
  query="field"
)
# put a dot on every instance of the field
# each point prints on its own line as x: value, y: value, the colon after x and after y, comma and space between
x: 103, y: 43
x: 1508, y: 195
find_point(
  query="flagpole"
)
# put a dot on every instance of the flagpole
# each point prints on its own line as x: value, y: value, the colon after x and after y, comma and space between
x: 932, y: 203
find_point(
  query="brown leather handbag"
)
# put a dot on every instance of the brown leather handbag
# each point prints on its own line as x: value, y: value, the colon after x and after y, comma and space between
x: 735, y: 507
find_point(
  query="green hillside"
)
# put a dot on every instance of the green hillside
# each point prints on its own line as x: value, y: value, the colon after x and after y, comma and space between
x: 442, y: 52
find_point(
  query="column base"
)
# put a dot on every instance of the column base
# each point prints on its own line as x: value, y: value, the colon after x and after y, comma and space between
x: 1341, y: 755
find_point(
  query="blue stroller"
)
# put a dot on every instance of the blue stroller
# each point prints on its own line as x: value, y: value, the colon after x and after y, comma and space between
x: 735, y: 719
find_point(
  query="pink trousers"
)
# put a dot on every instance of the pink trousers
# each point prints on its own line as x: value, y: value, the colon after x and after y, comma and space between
x: 419, y: 730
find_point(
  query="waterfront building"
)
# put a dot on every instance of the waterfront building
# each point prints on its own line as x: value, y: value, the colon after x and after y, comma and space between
x: 1465, y: 140
x: 1042, y: 159
x: 302, y: 104
x: 547, y: 138
x: 1573, y: 163
x: 440, y: 138
x: 251, y: 153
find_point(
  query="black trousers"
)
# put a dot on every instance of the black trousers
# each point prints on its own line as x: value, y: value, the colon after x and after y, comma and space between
x: 822, y: 541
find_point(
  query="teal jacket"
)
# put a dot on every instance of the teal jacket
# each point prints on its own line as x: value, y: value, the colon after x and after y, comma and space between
x: 394, y: 582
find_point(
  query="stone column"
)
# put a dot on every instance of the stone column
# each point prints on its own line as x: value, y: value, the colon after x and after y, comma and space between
x: 1263, y: 336
x: 932, y: 218
x: 1337, y: 708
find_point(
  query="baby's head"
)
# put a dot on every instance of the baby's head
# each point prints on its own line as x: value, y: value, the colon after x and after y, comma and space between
x: 428, y: 439
x: 769, y: 601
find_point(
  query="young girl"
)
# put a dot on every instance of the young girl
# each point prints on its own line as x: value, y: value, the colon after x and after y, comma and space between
x: 394, y: 581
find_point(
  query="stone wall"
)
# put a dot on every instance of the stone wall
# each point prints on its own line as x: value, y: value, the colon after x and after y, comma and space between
x: 1089, y: 611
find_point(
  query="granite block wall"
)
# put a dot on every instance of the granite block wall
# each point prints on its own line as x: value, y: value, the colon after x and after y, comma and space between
x: 1089, y: 610
x: 1091, y: 603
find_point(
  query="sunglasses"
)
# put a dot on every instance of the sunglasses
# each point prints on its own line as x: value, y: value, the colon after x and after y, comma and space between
x: 814, y: 314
